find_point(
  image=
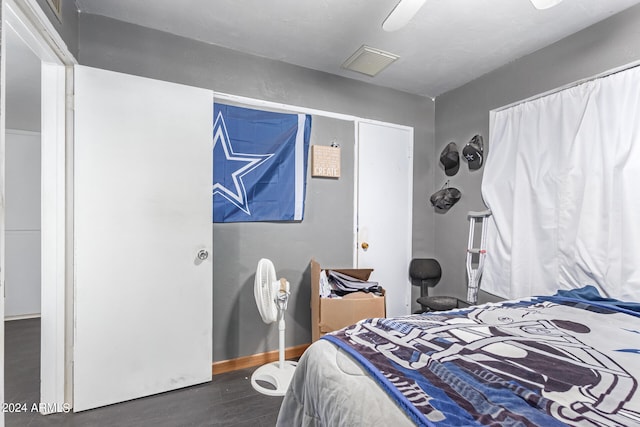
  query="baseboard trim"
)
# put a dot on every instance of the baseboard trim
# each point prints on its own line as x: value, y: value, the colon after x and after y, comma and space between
x: 256, y: 360
x: 22, y: 317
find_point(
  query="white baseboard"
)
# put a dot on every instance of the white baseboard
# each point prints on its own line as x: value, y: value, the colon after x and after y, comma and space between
x: 22, y: 317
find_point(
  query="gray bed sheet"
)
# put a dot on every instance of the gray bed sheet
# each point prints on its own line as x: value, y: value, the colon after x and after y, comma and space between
x: 329, y: 388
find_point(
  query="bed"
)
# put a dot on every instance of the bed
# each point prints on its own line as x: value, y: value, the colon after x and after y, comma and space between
x: 568, y: 359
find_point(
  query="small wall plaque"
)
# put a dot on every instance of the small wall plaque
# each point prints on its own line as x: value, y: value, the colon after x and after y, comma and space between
x: 325, y: 161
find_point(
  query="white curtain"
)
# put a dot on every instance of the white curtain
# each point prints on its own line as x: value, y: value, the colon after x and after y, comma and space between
x: 563, y: 182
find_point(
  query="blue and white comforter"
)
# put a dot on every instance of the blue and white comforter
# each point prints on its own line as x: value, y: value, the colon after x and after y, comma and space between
x: 548, y: 361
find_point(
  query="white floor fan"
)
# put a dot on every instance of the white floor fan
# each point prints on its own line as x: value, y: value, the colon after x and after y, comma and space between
x: 271, y: 298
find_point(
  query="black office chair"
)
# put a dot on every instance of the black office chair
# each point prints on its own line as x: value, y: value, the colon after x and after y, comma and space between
x: 426, y: 273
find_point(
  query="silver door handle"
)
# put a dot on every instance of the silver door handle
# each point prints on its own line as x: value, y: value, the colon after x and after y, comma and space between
x: 203, y: 254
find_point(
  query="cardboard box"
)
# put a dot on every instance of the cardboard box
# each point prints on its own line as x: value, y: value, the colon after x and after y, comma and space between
x: 331, y: 314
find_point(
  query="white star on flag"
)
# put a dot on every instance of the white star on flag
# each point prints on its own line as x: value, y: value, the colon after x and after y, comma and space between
x: 237, y: 194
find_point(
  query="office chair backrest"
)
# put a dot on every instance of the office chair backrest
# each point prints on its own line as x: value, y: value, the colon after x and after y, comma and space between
x: 425, y: 272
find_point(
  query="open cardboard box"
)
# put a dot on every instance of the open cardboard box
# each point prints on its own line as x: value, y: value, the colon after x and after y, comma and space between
x: 331, y: 314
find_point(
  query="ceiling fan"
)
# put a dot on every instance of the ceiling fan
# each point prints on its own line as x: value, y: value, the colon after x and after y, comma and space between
x: 544, y: 4
x: 405, y: 10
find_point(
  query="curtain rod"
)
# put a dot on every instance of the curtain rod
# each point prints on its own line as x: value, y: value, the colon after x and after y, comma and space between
x: 303, y: 110
x: 599, y: 76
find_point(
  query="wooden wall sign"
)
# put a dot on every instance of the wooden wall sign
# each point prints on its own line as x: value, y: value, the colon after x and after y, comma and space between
x: 325, y: 161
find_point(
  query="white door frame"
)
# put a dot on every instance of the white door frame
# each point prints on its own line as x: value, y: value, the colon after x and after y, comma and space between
x: 28, y: 20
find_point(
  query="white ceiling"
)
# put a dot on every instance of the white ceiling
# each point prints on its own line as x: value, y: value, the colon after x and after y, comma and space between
x: 447, y: 44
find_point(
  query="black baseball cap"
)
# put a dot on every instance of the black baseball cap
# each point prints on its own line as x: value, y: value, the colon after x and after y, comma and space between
x: 445, y: 198
x: 450, y: 159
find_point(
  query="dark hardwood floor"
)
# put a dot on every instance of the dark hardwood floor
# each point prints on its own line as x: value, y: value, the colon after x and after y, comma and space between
x: 229, y: 400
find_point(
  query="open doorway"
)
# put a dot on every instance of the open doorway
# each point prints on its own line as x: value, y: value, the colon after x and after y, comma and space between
x: 34, y: 134
x: 22, y: 221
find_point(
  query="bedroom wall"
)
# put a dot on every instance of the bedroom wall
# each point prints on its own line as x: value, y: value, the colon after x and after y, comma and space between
x: 22, y: 180
x: 326, y: 230
x: 22, y: 227
x: 66, y: 25
x: 464, y: 111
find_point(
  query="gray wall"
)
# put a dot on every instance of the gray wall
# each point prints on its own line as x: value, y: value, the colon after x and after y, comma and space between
x: 23, y: 91
x: 22, y: 227
x: 22, y: 179
x: 67, y: 25
x: 326, y: 230
x: 464, y: 111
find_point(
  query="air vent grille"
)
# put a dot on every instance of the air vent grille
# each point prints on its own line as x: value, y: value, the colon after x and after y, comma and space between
x: 370, y: 61
x: 56, y: 6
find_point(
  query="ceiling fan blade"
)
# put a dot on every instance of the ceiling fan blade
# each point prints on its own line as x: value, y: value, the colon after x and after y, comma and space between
x: 402, y: 14
x: 544, y: 4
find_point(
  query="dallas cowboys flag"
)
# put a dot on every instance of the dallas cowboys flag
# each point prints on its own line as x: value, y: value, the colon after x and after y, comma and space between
x: 259, y: 164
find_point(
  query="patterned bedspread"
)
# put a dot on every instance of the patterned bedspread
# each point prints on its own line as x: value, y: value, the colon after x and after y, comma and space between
x: 546, y: 361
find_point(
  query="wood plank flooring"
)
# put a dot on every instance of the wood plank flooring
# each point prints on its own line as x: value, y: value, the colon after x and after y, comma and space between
x: 229, y: 400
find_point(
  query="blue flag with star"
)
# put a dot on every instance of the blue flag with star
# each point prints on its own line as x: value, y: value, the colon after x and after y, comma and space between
x: 259, y: 164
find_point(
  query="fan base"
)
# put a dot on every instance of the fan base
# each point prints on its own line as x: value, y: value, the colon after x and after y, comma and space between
x: 272, y: 374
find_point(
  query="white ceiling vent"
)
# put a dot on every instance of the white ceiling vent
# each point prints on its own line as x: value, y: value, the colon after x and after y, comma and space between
x: 369, y: 60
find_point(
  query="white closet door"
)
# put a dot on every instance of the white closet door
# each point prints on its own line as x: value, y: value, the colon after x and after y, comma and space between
x: 385, y: 183
x: 143, y: 211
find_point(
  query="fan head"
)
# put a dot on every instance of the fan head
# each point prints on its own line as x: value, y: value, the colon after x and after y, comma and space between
x: 271, y: 294
x: 264, y: 290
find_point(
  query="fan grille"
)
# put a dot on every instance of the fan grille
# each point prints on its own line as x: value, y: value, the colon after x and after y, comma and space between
x: 265, y: 290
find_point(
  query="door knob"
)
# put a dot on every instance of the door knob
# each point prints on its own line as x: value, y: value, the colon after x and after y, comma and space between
x: 203, y: 254
x: 365, y: 245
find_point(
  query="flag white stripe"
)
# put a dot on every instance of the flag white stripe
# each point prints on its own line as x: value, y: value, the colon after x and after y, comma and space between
x: 299, y: 155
